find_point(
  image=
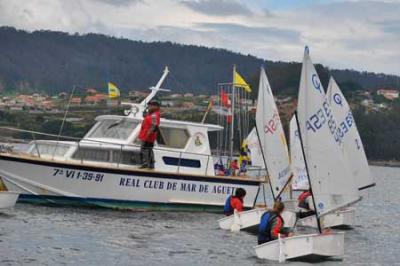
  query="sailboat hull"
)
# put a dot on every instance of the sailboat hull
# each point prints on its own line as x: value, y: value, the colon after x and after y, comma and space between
x: 52, y: 182
x: 250, y: 220
x: 302, y: 247
x: 8, y: 199
x: 338, y: 219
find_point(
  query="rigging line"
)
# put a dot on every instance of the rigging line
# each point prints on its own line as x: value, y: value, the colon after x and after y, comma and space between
x: 63, y: 121
x: 178, y: 83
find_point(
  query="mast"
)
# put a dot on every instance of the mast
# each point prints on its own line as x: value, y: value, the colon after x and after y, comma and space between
x: 233, y: 111
x: 308, y: 175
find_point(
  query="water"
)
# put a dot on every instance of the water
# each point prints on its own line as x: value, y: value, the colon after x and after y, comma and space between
x: 36, y: 235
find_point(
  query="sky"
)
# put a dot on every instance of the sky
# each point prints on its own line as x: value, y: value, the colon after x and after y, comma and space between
x: 343, y: 34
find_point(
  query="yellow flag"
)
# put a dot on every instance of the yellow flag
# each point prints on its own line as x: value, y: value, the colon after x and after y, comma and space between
x: 113, y: 91
x: 240, y: 82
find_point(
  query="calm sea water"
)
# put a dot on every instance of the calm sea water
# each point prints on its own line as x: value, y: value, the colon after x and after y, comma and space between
x: 37, y: 235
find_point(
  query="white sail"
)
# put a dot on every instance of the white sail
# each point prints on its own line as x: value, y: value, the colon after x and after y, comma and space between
x: 331, y: 180
x: 255, y: 151
x: 352, y: 142
x: 300, y: 178
x: 272, y: 137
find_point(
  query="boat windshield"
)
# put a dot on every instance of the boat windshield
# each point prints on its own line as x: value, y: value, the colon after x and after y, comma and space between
x: 114, y: 129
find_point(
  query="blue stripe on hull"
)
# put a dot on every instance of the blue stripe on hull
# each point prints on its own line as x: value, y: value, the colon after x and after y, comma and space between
x: 116, y: 204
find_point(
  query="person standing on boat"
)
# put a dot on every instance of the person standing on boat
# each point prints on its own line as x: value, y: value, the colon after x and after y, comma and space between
x: 148, y: 134
x: 234, y: 167
x: 271, y: 224
x: 235, y: 202
x: 244, y: 158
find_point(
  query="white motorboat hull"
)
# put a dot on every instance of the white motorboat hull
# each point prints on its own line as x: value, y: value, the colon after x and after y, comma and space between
x: 8, y: 199
x: 45, y: 181
x: 341, y: 218
x: 250, y: 220
x: 302, y: 246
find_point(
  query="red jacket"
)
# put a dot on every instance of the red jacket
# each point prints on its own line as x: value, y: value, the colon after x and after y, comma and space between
x: 236, y: 204
x: 303, y: 196
x: 276, y: 227
x: 150, y: 124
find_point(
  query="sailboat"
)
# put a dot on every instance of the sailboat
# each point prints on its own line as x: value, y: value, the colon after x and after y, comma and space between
x: 356, y: 157
x: 342, y: 218
x: 352, y: 142
x: 272, y: 141
x: 331, y: 183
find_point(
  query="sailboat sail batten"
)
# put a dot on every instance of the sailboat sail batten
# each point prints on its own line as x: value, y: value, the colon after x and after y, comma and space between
x: 352, y: 142
x: 331, y: 180
x: 272, y: 137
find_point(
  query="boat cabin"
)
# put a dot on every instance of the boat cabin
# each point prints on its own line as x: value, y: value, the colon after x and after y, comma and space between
x: 180, y: 147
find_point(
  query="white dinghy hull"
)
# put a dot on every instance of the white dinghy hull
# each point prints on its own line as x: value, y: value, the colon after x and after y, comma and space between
x: 341, y: 218
x: 302, y: 246
x: 250, y: 220
x: 8, y: 199
x: 247, y: 220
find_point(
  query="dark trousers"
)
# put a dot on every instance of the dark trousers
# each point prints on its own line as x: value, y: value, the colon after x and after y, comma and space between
x: 302, y: 215
x: 147, y: 154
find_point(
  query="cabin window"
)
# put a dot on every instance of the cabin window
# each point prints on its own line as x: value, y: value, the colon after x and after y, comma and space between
x: 114, y: 129
x: 173, y: 137
x: 128, y: 157
x: 181, y: 162
x: 49, y: 149
x: 90, y: 154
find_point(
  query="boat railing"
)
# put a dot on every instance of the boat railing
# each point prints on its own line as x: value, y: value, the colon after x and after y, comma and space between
x: 57, y: 142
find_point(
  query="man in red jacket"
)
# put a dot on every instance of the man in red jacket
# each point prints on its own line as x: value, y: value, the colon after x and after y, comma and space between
x: 148, y: 134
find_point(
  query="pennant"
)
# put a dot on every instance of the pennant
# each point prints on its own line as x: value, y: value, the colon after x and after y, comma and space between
x: 113, y: 91
x: 240, y: 82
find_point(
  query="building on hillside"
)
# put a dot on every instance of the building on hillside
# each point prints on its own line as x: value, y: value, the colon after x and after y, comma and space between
x: 175, y: 95
x: 188, y: 95
x: 367, y: 102
x: 96, y: 99
x: 188, y: 105
x: 91, y: 91
x: 47, y: 105
x: 168, y: 103
x: 389, y: 94
x: 62, y: 95
x: 76, y: 101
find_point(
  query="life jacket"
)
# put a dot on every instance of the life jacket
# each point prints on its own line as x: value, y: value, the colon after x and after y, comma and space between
x: 302, y: 200
x: 228, y: 210
x: 264, y: 230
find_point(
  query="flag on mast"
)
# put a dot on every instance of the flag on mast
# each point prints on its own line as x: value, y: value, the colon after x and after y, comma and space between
x: 225, y: 99
x: 240, y: 82
x: 113, y: 91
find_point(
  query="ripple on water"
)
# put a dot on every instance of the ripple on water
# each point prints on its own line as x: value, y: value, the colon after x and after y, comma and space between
x: 39, y: 235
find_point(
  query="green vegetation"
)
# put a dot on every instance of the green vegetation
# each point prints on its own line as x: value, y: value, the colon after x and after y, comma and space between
x: 55, y: 61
